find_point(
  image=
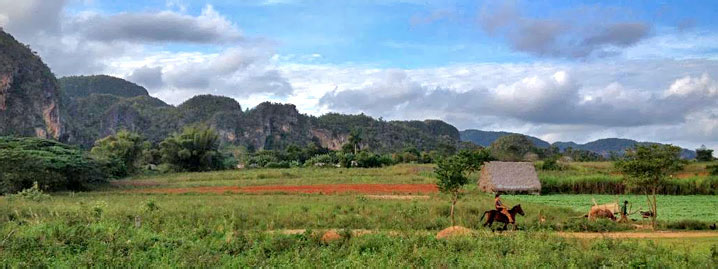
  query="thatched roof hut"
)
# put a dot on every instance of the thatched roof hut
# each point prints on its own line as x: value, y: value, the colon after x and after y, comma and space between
x: 509, y: 177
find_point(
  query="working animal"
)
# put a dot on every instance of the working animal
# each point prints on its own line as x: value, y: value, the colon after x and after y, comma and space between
x: 712, y: 226
x: 601, y: 213
x: 646, y: 214
x: 613, y: 207
x: 495, y: 215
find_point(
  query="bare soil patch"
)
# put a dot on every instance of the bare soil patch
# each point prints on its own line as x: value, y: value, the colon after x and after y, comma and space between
x: 321, y: 189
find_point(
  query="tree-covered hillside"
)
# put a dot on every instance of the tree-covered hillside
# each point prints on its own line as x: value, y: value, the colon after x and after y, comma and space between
x: 80, y: 86
x: 485, y: 138
x: 93, y: 111
x: 29, y: 99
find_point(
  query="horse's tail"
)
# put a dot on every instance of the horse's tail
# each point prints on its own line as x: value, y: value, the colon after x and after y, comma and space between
x: 483, y: 215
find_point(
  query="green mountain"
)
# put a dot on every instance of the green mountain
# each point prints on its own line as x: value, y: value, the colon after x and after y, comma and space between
x: 604, y: 147
x: 97, y: 106
x: 608, y: 146
x: 485, y: 138
x: 28, y: 92
x: 81, y: 86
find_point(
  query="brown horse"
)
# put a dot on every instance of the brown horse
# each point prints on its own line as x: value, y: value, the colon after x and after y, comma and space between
x: 495, y: 215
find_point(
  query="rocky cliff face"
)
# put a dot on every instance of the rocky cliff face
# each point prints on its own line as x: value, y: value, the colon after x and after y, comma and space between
x: 29, y: 97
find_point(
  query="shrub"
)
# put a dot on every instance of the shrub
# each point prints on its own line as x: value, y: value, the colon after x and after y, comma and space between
x: 321, y: 160
x: 282, y: 164
x: 551, y: 164
x: 124, y: 147
x: 712, y: 169
x: 687, y: 225
x: 34, y: 193
x: 194, y: 149
x: 53, y: 165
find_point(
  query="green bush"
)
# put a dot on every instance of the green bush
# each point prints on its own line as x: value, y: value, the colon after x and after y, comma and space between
x: 322, y: 160
x: 712, y: 169
x: 124, y: 147
x: 281, y: 164
x: 196, y: 148
x: 551, y: 164
x: 53, y: 165
x: 34, y: 193
x: 687, y: 225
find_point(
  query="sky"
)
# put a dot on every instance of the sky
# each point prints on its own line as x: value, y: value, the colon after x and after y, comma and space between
x: 559, y: 70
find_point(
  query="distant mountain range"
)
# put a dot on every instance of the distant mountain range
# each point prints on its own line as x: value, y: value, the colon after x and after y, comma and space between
x: 601, y: 146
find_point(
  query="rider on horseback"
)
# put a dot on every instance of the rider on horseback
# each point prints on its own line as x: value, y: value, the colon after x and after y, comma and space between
x: 501, y: 208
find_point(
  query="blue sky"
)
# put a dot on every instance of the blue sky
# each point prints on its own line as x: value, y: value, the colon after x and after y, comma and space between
x: 409, y: 34
x: 559, y: 70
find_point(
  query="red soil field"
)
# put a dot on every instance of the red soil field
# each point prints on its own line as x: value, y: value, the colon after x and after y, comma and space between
x: 323, y: 189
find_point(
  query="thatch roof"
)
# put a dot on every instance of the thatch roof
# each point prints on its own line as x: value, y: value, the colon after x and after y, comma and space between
x: 509, y: 177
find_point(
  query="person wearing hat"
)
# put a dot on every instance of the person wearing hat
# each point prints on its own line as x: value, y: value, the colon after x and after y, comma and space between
x: 501, y: 208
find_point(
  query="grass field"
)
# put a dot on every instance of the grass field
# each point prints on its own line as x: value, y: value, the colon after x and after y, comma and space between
x: 670, y: 207
x: 118, y: 226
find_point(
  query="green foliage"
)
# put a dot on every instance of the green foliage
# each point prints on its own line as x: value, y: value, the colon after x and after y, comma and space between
x: 194, y: 149
x: 53, y: 165
x: 712, y: 169
x: 34, y: 193
x: 367, y: 159
x: 472, y: 160
x: 124, y: 147
x: 81, y: 86
x: 704, y: 154
x: 647, y: 167
x: 511, y: 147
x: 582, y: 155
x: 551, y: 164
x: 451, y: 175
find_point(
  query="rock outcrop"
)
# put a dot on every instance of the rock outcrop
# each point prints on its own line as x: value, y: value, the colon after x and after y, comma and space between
x: 29, y: 96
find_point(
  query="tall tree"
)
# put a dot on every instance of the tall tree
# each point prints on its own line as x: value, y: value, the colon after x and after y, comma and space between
x: 355, y: 138
x: 704, y: 154
x: 647, y: 167
x: 452, y: 174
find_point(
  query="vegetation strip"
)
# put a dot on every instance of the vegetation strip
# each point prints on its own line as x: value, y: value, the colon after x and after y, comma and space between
x: 322, y: 188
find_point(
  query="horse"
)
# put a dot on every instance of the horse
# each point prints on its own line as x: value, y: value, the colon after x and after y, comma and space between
x: 495, y: 215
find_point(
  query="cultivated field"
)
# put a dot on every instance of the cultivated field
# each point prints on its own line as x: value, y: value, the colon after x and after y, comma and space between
x: 386, y: 217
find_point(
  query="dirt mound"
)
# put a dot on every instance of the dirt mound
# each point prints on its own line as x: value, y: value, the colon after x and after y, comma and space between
x: 330, y: 236
x: 322, y: 188
x: 453, y: 231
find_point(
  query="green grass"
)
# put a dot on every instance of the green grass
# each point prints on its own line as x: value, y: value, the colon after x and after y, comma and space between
x: 114, y: 228
x: 670, y: 207
x: 404, y: 173
x: 105, y: 245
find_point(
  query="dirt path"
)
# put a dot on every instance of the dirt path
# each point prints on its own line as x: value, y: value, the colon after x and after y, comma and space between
x: 323, y: 189
x: 659, y: 234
